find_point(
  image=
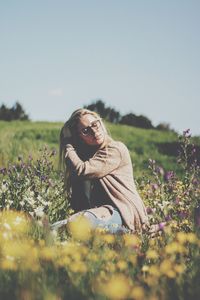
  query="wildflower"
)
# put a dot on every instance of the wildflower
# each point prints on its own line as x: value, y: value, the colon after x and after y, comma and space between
x: 8, y: 263
x: 145, y: 268
x: 162, y: 225
x: 154, y: 270
x: 39, y: 212
x: 78, y: 267
x: 175, y: 247
x: 152, y: 254
x: 168, y: 217
x: 122, y: 265
x: 48, y: 253
x: 149, y: 210
x: 80, y: 228
x: 181, y: 237
x: 192, y: 238
x: 178, y: 268
x: 110, y: 267
x: 132, y: 259
x: 4, y: 186
x: 154, y: 186
x: 165, y: 267
x: 131, y: 240
x: 168, y: 175
x: 137, y: 293
x: 117, y: 287
x: 108, y: 238
x: 7, y: 226
x: 186, y: 133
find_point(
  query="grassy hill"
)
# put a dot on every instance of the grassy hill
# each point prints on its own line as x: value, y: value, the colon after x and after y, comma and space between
x: 27, y: 138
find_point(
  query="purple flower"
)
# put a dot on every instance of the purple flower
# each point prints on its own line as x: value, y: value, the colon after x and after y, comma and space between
x: 43, y: 178
x: 149, y: 210
x: 177, y: 200
x: 186, y: 133
x: 161, y: 225
x: 160, y: 171
x: 168, y: 175
x: 154, y: 186
x: 3, y: 171
x: 183, y: 214
x: 168, y: 218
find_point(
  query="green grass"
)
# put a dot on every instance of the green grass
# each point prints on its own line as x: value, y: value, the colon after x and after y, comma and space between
x: 26, y: 138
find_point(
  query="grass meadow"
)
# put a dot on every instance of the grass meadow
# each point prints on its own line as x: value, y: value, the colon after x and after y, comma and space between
x: 76, y: 262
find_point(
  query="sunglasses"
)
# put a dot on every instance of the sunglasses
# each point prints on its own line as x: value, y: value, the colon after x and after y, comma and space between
x: 95, y: 125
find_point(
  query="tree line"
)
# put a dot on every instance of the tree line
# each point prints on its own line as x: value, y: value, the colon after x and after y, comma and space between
x: 16, y: 112
x: 114, y: 116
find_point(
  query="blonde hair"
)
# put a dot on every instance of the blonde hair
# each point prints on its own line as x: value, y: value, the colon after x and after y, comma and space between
x: 69, y: 134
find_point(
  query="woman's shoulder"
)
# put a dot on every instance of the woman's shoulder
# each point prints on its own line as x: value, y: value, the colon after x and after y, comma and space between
x: 117, y: 144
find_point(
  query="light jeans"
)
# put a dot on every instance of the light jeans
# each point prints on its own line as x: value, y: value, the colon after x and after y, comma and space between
x: 112, y: 225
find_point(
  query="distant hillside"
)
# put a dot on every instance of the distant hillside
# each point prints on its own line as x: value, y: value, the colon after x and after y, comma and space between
x: 22, y: 138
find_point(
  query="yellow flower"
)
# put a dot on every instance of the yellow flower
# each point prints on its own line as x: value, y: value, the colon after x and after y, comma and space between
x: 78, y: 267
x: 41, y: 243
x: 8, y: 263
x: 171, y: 274
x: 24, y: 254
x: 108, y: 238
x: 80, y: 228
x: 49, y: 296
x: 175, y: 247
x: 48, y: 253
x: 110, y: 267
x: 137, y: 293
x: 179, y: 268
x: 152, y: 254
x: 145, y: 268
x: 17, y: 222
x: 93, y: 257
x: 154, y: 270
x: 131, y: 240
x: 110, y: 254
x: 151, y: 280
x: 133, y: 259
x: 165, y: 266
x: 168, y: 230
x: 64, y: 261
x: 192, y: 238
x: 117, y: 287
x: 76, y: 256
x: 182, y: 237
x: 122, y: 265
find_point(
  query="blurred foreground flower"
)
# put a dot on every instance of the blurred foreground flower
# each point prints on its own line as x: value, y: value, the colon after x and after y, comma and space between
x: 117, y: 287
x: 80, y: 228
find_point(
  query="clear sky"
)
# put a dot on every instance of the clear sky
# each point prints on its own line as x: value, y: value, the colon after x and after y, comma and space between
x: 137, y: 56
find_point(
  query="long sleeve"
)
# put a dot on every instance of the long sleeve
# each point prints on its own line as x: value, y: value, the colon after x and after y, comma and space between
x: 102, y: 163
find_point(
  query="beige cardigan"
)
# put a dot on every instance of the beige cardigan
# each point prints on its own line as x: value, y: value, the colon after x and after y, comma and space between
x: 111, y: 164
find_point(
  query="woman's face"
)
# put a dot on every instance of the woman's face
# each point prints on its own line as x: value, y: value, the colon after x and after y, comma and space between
x: 90, y: 130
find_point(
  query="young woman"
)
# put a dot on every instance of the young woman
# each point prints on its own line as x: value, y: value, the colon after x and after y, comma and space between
x: 99, y: 175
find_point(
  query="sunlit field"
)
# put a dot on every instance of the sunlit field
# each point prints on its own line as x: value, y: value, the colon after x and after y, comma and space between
x: 77, y: 262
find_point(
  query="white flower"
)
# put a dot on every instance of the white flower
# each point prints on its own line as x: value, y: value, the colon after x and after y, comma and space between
x: 5, y: 236
x: 39, y: 211
x: 11, y: 258
x: 7, y: 226
x: 22, y: 203
x: 4, y: 187
x: 18, y: 220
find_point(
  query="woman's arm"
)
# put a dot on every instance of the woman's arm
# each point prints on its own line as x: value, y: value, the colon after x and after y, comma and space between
x: 102, y: 163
